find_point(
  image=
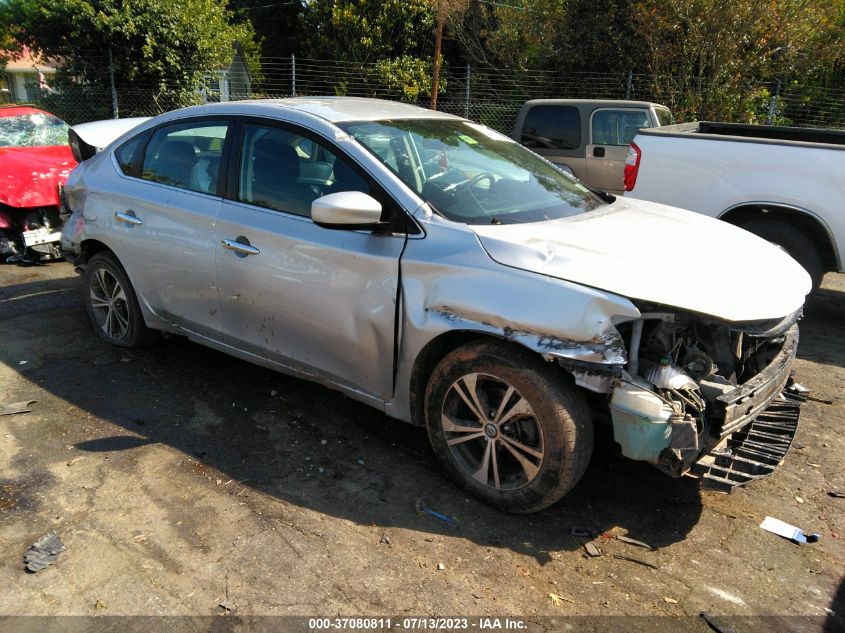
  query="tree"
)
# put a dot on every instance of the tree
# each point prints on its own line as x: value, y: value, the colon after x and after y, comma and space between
x: 160, y: 48
x: 716, y: 56
x: 278, y: 25
x: 367, y: 30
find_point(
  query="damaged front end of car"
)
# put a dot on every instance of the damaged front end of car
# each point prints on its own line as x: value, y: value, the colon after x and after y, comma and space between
x: 703, y: 397
x: 29, y: 234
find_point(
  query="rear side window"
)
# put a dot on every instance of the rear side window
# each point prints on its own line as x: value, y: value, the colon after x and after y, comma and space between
x: 617, y: 127
x: 129, y: 155
x: 186, y: 155
x: 552, y: 127
x: 664, y: 116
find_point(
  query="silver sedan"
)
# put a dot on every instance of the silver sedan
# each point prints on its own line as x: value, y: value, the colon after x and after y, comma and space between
x: 440, y: 272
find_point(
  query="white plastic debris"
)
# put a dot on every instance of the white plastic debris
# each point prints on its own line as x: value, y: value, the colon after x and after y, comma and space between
x: 781, y: 528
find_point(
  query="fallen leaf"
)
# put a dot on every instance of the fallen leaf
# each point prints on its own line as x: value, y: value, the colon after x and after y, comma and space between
x: 556, y: 599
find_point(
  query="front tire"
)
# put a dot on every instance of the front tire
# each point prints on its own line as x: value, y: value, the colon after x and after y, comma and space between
x: 507, y: 426
x: 112, y: 305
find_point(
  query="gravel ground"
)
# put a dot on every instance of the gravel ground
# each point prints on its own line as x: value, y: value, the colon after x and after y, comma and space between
x: 180, y: 479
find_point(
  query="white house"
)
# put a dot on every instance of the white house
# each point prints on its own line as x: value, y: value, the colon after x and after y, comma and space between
x: 27, y: 76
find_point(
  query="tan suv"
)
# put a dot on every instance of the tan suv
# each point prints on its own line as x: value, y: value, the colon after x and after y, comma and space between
x: 586, y: 137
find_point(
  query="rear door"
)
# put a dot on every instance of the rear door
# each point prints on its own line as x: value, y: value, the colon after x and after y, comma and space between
x: 162, y: 219
x: 611, y: 132
x: 318, y: 301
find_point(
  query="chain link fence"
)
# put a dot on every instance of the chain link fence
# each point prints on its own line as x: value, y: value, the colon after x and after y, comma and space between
x: 490, y: 96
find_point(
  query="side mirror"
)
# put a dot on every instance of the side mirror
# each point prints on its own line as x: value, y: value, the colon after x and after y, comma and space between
x: 347, y: 210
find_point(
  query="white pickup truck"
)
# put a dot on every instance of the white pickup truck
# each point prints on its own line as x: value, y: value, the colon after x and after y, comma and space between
x: 786, y: 185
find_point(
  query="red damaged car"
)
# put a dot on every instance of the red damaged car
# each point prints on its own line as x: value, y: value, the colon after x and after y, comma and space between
x: 35, y: 159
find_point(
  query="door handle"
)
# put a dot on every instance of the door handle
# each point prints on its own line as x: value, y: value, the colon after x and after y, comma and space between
x: 240, y: 247
x: 127, y: 218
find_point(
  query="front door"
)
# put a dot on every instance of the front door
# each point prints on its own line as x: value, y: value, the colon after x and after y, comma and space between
x: 320, y: 301
x: 611, y: 132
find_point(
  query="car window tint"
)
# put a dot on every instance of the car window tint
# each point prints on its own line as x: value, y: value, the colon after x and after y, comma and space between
x: 275, y: 174
x: 618, y: 127
x: 552, y: 127
x: 129, y: 155
x: 186, y: 155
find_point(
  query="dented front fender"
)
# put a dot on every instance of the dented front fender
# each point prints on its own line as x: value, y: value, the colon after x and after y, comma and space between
x: 450, y: 284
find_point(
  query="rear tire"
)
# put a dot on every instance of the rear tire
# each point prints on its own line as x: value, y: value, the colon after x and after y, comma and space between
x: 112, y: 305
x: 794, y: 241
x: 507, y: 426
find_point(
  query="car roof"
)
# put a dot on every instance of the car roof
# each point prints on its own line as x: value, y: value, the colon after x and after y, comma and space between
x: 598, y: 103
x: 338, y: 109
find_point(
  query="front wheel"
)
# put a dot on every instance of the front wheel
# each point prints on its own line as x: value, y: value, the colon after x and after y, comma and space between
x: 507, y: 426
x: 112, y: 305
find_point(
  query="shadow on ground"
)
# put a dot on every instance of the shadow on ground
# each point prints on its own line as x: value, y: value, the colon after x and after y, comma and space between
x: 306, y: 445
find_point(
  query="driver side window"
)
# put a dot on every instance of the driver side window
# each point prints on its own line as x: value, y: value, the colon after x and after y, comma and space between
x: 285, y: 171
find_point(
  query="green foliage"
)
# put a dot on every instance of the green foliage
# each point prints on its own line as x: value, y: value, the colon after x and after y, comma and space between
x: 368, y: 30
x: 407, y: 77
x: 157, y: 45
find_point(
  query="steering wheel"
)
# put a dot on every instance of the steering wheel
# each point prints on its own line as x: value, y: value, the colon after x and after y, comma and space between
x: 470, y: 185
x: 480, y: 176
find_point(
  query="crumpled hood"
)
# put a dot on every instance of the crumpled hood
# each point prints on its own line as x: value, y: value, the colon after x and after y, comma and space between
x: 648, y: 251
x: 29, y: 176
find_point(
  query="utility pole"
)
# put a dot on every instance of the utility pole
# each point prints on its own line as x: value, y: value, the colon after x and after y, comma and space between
x: 435, y: 84
x: 113, y: 89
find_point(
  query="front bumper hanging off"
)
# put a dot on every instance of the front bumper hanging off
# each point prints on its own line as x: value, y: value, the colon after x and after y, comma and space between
x: 756, y: 449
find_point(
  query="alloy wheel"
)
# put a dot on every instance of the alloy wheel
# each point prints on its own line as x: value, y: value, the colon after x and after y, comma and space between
x: 108, y: 301
x: 492, y: 431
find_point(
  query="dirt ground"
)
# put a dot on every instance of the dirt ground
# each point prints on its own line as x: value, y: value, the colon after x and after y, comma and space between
x: 180, y: 479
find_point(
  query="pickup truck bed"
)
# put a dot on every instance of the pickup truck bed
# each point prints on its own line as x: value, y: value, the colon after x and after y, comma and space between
x: 784, y: 184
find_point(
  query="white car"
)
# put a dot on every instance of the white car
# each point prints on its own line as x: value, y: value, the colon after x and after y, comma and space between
x: 440, y: 272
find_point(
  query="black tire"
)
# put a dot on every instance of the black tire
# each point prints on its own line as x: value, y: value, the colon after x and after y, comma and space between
x: 794, y: 241
x: 112, y: 305
x: 554, y: 430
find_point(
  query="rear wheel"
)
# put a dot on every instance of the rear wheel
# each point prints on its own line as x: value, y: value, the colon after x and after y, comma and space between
x: 508, y: 427
x: 112, y: 305
x: 795, y: 242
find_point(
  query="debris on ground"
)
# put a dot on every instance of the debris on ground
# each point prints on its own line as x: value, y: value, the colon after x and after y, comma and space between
x: 592, y: 549
x: 633, y: 541
x: 836, y: 494
x: 385, y: 539
x: 99, y: 605
x: 16, y: 407
x: 716, y: 623
x: 422, y: 509
x: 669, y: 600
x: 227, y: 606
x: 787, y: 531
x: 440, y: 566
x: 557, y: 599
x: 43, y: 552
x: 635, y: 560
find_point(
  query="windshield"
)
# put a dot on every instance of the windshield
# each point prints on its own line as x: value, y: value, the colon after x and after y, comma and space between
x: 469, y: 173
x: 32, y: 130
